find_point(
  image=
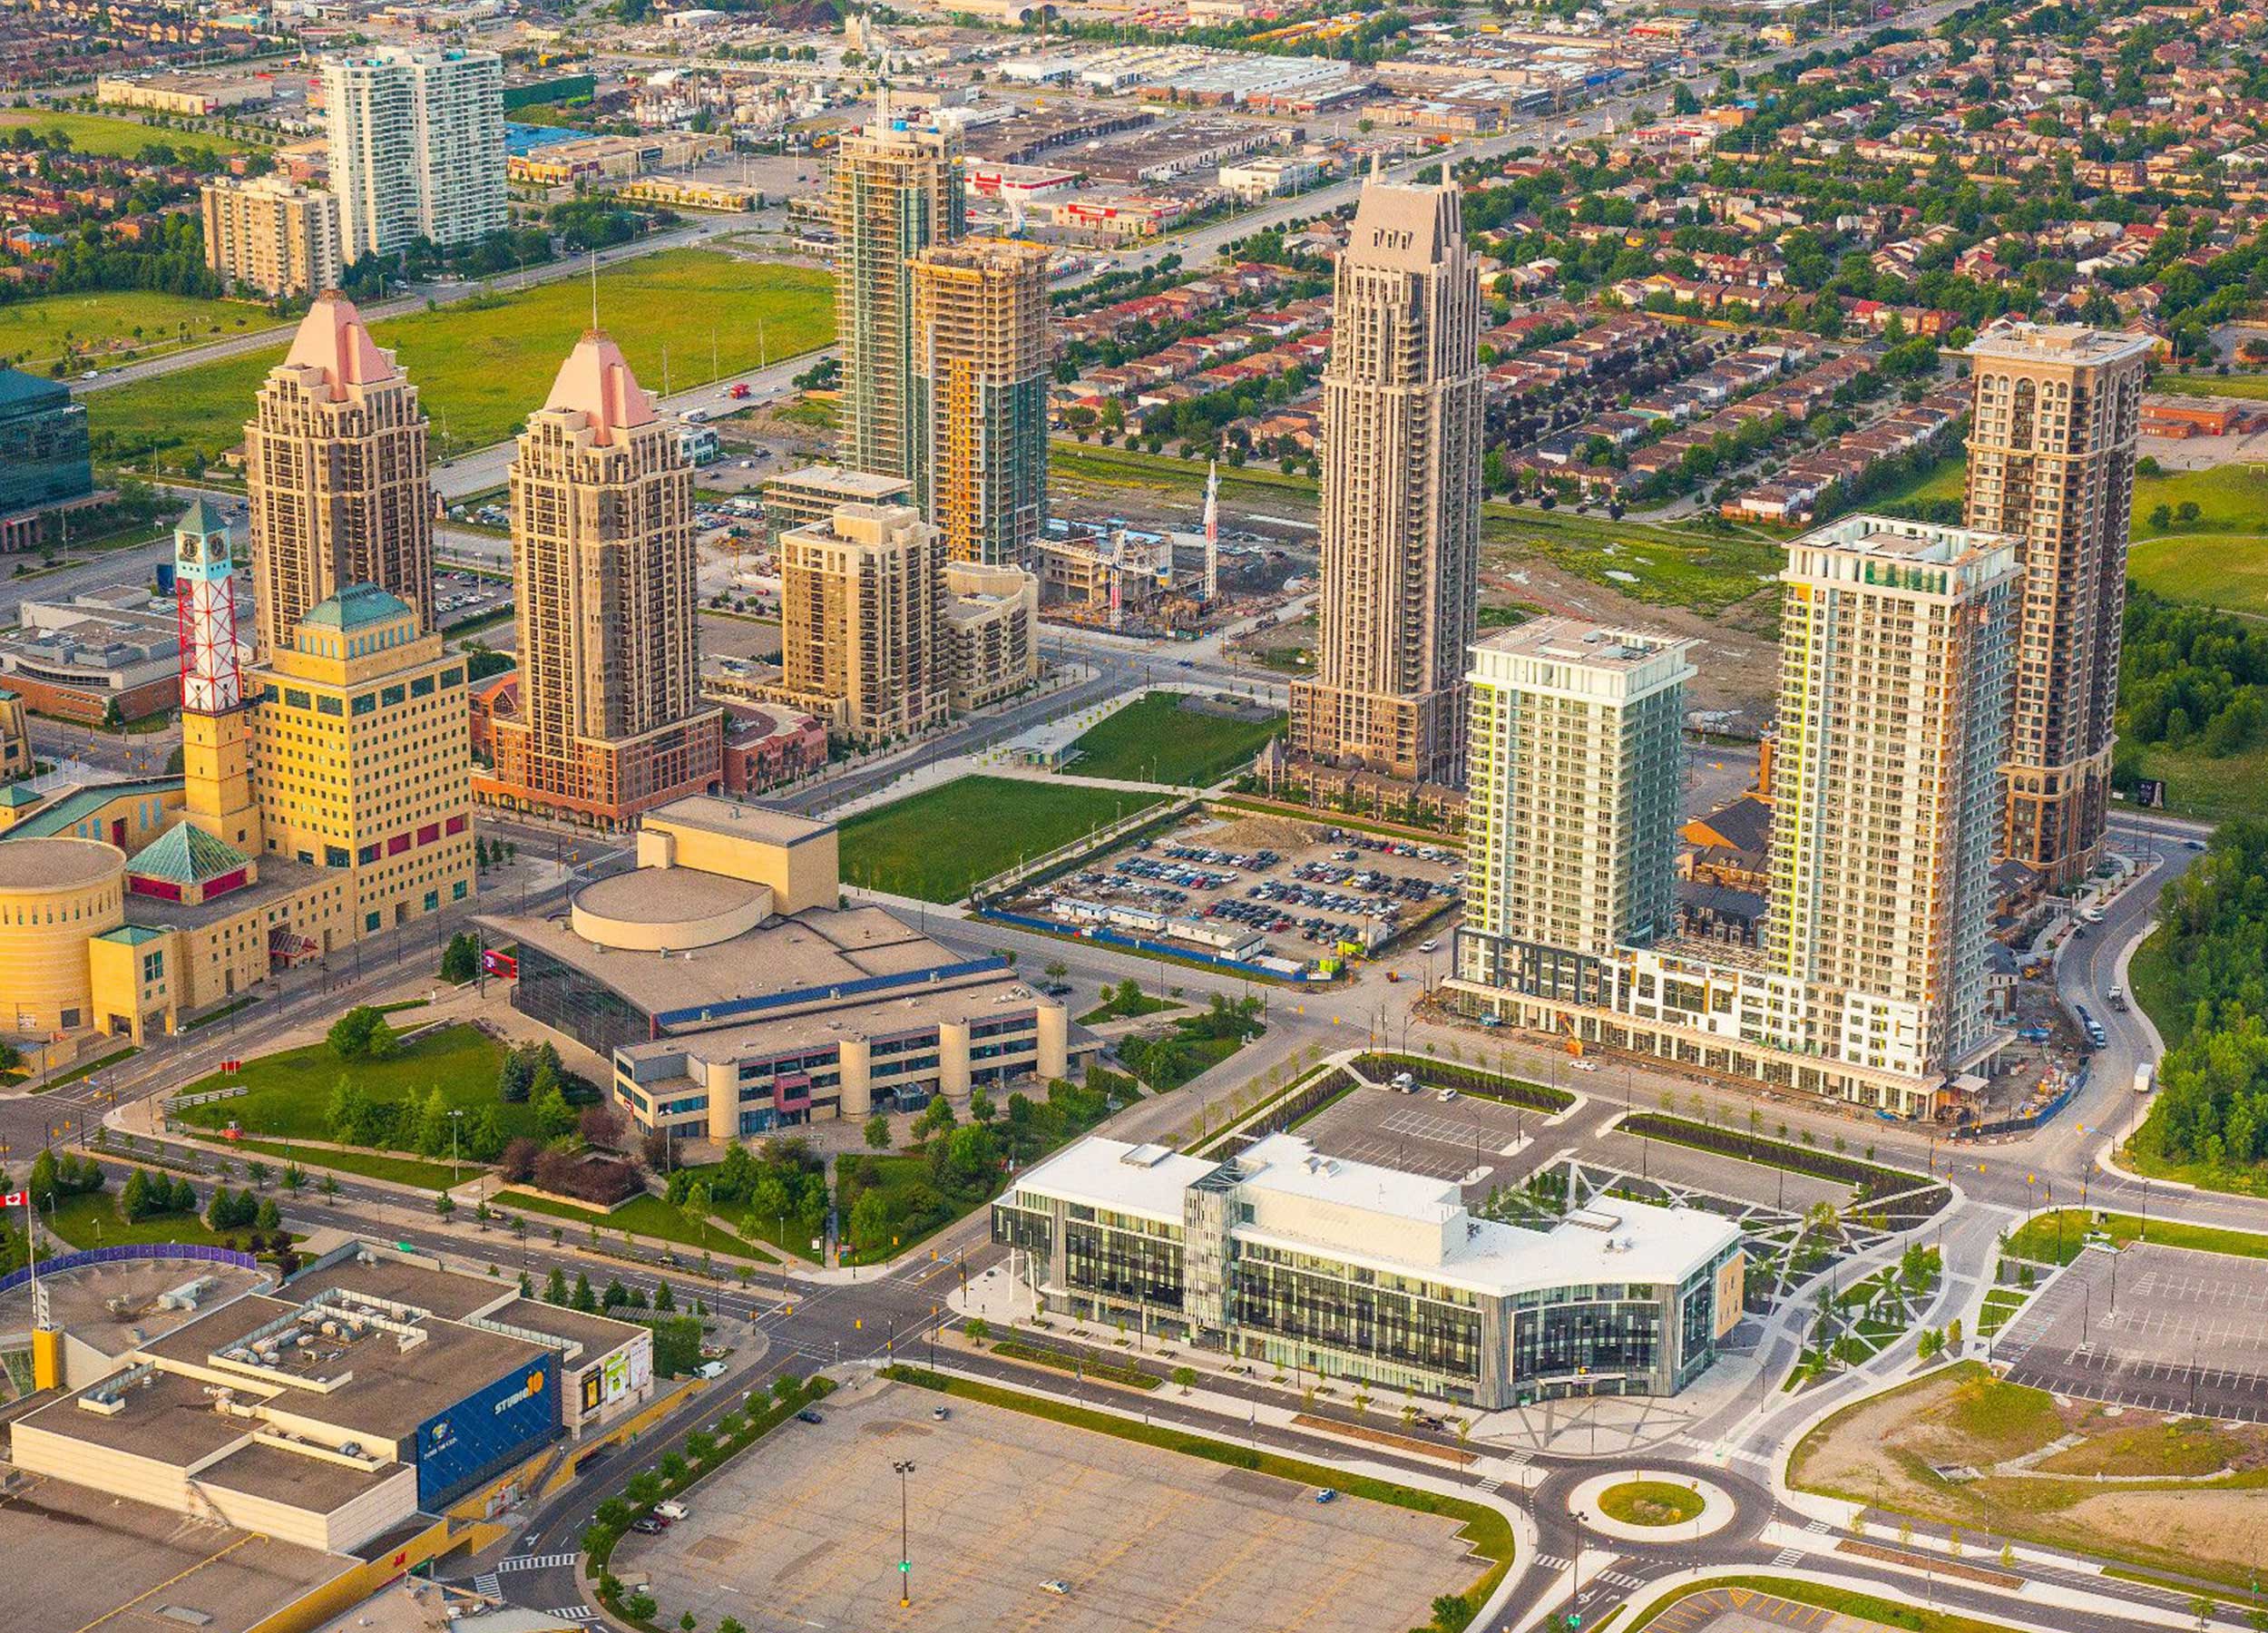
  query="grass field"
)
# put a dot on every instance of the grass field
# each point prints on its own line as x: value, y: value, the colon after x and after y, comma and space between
x: 483, y: 364
x: 90, y: 1219
x: 2230, y: 498
x: 288, y: 1094
x: 2199, y: 785
x: 936, y: 844
x: 648, y: 1218
x: 1841, y: 1601
x: 1070, y: 460
x: 103, y: 137
x: 2233, y: 386
x: 1947, y: 479
x: 103, y: 326
x: 413, y: 1171
x: 1650, y: 1502
x: 2203, y: 568
x: 1156, y: 739
x: 2038, y: 1240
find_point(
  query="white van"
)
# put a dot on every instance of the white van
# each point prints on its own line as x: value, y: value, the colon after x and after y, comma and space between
x: 713, y: 1369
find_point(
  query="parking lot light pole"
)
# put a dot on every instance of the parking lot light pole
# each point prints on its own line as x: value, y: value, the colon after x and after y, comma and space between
x: 905, y: 1557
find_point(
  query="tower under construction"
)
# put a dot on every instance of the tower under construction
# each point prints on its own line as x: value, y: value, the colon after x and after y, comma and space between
x: 980, y: 397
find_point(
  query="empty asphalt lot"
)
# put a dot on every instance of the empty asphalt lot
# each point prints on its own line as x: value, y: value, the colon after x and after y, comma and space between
x: 801, y: 1532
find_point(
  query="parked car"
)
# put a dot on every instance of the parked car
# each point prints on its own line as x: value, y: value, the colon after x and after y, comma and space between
x: 672, y: 1510
x: 808, y: 1416
x: 646, y: 1525
x: 1584, y: 1065
x: 1325, y: 1495
x: 1056, y: 1586
x: 941, y: 1413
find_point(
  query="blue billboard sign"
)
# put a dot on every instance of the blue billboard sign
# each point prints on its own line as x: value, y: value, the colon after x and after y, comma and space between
x: 488, y: 1431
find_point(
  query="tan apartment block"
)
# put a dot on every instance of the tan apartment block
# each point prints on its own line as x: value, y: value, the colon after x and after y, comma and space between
x: 608, y: 722
x: 992, y: 633
x: 1401, y: 509
x: 980, y: 397
x: 863, y: 608
x: 2057, y: 410
x: 271, y: 234
x: 335, y: 466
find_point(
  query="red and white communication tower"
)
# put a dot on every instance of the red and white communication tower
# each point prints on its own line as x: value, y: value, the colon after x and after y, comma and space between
x: 204, y: 581
x: 1212, y: 532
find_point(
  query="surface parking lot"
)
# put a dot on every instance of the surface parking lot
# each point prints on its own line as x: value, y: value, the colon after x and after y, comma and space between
x: 1475, y: 1141
x: 2181, y: 1331
x: 801, y: 1532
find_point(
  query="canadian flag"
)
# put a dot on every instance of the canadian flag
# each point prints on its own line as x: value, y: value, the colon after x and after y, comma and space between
x: 16, y: 1199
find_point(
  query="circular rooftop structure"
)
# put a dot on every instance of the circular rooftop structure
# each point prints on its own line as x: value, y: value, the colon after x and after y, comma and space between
x: 56, y: 865
x: 668, y: 910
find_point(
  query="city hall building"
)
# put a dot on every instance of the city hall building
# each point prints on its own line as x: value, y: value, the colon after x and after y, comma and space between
x: 1315, y: 1263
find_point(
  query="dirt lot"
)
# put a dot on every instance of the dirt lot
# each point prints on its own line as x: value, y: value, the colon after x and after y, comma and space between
x: 803, y: 1532
x: 2181, y: 1503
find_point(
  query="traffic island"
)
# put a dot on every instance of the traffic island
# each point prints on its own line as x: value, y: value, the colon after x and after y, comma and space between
x: 1639, y: 1506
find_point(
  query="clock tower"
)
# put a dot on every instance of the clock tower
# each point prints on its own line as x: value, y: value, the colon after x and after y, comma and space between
x: 216, y: 732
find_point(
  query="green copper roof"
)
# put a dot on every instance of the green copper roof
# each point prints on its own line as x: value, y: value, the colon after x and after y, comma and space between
x: 186, y: 854
x: 201, y: 518
x: 82, y: 803
x: 355, y: 606
x: 132, y: 935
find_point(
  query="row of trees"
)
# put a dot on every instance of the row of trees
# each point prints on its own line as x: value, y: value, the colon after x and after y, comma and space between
x: 2212, y: 1096
x: 2191, y: 676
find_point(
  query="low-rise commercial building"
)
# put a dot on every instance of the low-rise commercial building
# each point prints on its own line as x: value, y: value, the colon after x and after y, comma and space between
x: 114, y: 645
x: 363, y: 1396
x: 1297, y: 1260
x: 734, y: 996
x: 198, y: 96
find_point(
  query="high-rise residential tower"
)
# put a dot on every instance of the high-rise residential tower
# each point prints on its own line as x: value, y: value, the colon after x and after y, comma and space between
x: 608, y: 720
x: 1400, y: 494
x: 863, y: 606
x: 1894, y: 666
x: 2051, y: 455
x: 416, y: 147
x: 335, y: 470
x: 897, y: 190
x: 1574, y: 768
x: 271, y: 234
x: 981, y: 397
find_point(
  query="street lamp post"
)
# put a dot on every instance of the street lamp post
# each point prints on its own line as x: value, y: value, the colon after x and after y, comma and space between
x: 905, y: 1557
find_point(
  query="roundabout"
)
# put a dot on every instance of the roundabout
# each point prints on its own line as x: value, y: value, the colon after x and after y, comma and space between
x: 1638, y: 1505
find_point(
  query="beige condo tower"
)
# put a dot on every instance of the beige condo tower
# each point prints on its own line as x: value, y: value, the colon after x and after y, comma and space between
x: 1400, y: 494
x: 897, y: 190
x: 980, y: 397
x: 863, y: 601
x: 335, y: 468
x: 608, y: 721
x: 2051, y: 453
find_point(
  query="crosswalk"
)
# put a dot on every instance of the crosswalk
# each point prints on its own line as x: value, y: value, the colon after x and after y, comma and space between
x: 487, y: 1586
x: 576, y: 1613
x: 552, y: 1561
x: 1620, y: 1579
x: 1491, y: 1485
x: 1819, y: 1528
x: 1551, y: 1561
x: 1787, y: 1557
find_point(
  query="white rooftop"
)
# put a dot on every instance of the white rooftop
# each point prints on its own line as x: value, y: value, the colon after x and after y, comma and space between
x: 1360, y: 1213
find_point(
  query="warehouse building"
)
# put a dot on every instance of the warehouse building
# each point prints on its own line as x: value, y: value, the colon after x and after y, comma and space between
x: 1300, y: 1261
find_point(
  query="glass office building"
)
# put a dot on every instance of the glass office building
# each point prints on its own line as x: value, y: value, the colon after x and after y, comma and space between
x: 43, y: 457
x: 1311, y: 1264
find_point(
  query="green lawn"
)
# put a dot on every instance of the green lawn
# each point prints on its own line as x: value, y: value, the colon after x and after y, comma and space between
x: 647, y: 1217
x: 100, y: 328
x: 2037, y: 1240
x: 1860, y: 1607
x: 482, y: 365
x: 289, y: 1093
x: 2197, y: 784
x: 1650, y: 1502
x: 2200, y: 568
x: 1090, y: 462
x: 413, y: 1171
x: 101, y: 136
x: 2229, y: 499
x: 2233, y: 386
x: 936, y: 844
x: 1946, y: 479
x: 92, y: 1220
x: 1113, y: 1008
x: 1156, y: 739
